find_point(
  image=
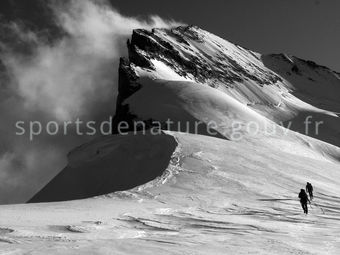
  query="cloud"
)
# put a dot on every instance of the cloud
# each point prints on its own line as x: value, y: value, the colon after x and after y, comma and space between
x: 75, y: 76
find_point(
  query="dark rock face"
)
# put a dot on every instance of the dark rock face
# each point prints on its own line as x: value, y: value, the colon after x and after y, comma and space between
x: 177, y: 48
x: 127, y: 85
x: 146, y: 45
x: 295, y: 69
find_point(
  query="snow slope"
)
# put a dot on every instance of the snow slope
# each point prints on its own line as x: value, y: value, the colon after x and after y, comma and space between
x: 215, y: 197
x: 202, y: 191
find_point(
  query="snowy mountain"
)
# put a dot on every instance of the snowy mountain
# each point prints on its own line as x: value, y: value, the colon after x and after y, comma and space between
x: 206, y: 189
x: 280, y: 87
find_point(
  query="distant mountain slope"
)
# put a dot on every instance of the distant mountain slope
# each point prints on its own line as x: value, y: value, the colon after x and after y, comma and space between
x: 312, y: 83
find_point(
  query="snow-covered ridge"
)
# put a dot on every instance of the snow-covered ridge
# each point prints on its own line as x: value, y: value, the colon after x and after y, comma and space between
x: 110, y: 164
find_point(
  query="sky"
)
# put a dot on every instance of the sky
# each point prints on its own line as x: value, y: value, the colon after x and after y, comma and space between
x: 309, y: 29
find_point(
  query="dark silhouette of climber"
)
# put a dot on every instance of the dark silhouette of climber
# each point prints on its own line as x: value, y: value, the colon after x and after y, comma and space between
x: 303, y: 200
x: 309, y: 189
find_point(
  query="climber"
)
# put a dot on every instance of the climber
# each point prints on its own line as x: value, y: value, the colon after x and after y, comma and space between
x: 309, y: 189
x: 303, y: 200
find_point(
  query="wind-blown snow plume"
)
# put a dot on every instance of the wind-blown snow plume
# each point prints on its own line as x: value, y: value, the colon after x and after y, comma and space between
x: 72, y: 77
